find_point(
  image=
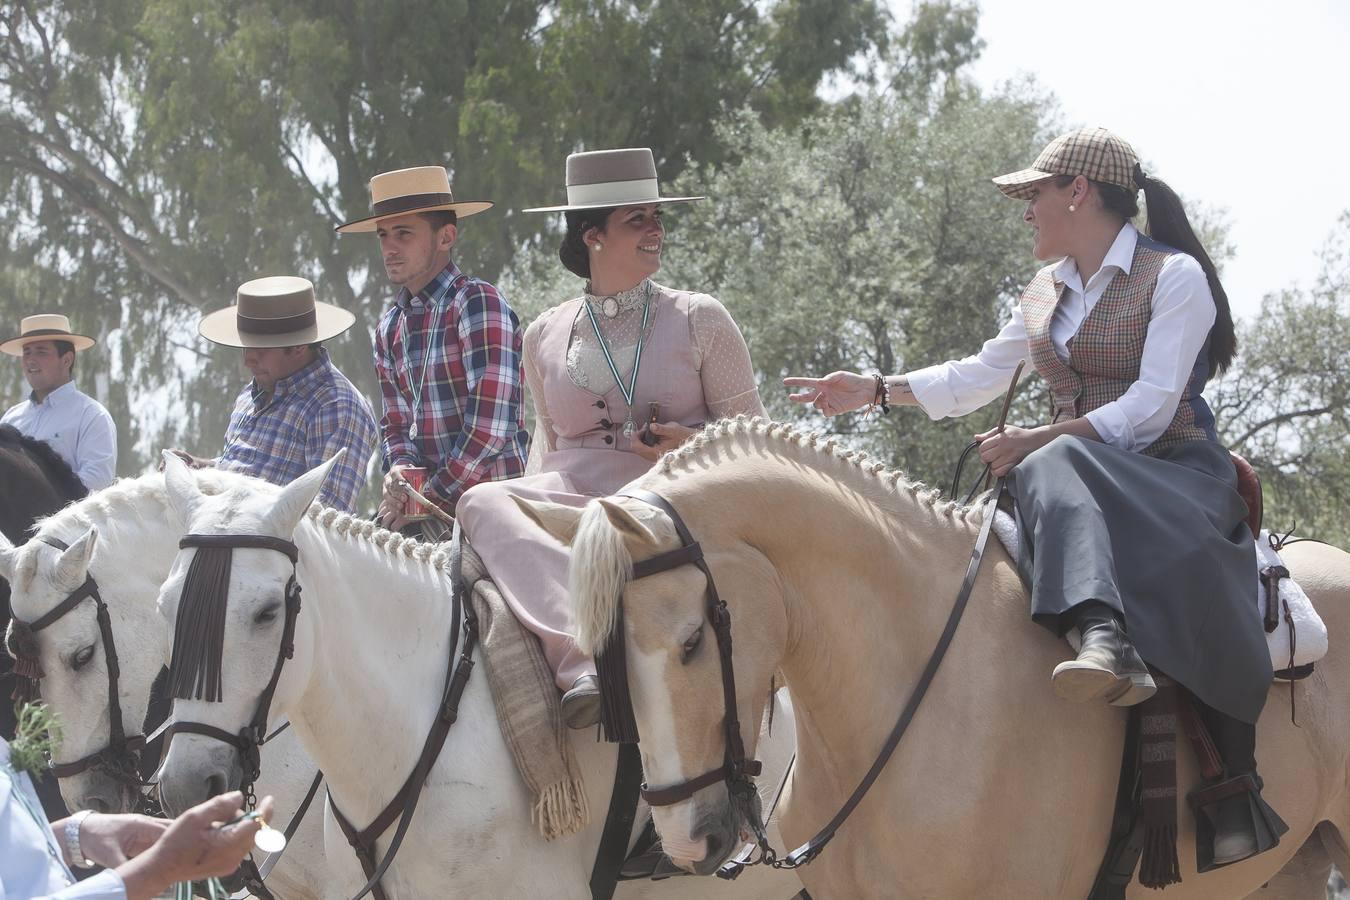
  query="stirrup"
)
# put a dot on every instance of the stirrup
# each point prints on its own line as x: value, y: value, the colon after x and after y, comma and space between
x: 1225, y: 813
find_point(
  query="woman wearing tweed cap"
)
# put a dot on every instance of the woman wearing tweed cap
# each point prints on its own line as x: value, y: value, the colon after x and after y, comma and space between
x: 1125, y: 329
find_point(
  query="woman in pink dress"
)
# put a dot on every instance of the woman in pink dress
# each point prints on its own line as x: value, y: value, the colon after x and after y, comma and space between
x: 619, y: 376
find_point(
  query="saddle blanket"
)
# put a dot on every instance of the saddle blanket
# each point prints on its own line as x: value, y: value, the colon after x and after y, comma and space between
x: 1298, y: 640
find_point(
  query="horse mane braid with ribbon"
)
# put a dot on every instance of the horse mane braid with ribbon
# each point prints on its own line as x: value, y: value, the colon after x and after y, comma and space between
x: 199, y: 633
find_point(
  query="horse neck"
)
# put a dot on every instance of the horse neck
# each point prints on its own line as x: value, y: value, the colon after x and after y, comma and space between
x: 865, y: 565
x: 381, y: 630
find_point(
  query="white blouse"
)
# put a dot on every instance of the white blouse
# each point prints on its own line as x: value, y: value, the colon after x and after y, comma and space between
x: 1183, y: 313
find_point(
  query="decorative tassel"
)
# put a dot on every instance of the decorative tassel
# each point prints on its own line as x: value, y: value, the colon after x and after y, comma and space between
x: 1158, y: 776
x: 562, y: 810
x: 1159, y: 866
x: 199, y: 632
x: 611, y: 670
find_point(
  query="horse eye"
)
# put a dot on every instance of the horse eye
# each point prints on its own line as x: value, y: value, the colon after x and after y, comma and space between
x: 691, y: 644
x: 82, y: 657
x: 266, y: 615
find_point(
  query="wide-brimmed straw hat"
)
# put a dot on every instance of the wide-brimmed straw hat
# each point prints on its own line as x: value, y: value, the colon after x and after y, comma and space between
x: 1094, y: 153
x: 278, y: 311
x: 407, y: 191
x: 602, y: 178
x: 45, y: 327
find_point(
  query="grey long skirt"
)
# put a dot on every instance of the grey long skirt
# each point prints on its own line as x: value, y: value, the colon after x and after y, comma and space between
x: 1162, y: 540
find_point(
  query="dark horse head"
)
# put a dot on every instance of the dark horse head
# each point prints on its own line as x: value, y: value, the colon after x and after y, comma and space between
x: 34, y: 482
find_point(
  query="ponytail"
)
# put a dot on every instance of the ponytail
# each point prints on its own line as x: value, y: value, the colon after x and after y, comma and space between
x: 1167, y: 224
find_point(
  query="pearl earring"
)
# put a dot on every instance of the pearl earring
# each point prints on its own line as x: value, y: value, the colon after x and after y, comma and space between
x: 1072, y: 208
x: 597, y: 247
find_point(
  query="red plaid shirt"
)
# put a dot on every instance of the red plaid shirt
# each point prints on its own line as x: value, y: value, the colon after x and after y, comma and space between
x: 470, y: 424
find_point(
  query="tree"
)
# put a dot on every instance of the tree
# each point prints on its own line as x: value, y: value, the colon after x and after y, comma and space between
x: 156, y: 153
x: 1286, y: 403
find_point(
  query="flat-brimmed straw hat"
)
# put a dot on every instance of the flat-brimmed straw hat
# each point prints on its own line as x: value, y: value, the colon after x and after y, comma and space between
x: 602, y: 178
x: 278, y: 311
x: 45, y: 327
x: 1094, y: 153
x: 407, y: 191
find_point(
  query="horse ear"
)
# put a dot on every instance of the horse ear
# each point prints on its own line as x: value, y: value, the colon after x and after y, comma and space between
x: 627, y: 524
x: 557, y: 519
x: 73, y: 566
x: 297, y: 497
x: 181, y: 489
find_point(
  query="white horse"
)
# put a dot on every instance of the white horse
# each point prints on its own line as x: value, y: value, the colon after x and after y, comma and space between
x: 122, y: 537
x: 840, y: 575
x: 362, y: 690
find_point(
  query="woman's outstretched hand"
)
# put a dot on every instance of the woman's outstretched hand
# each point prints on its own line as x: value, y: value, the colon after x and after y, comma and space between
x: 838, y: 392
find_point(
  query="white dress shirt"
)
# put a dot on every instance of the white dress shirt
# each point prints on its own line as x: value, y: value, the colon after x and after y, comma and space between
x: 31, y: 865
x: 78, y: 428
x: 1183, y: 313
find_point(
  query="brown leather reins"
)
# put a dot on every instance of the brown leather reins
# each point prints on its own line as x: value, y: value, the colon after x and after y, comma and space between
x: 120, y: 759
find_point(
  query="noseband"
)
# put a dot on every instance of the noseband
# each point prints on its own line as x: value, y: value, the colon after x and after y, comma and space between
x: 736, y: 770
x: 198, y: 647
x: 120, y: 760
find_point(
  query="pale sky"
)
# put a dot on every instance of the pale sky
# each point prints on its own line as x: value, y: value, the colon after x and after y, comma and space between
x: 1241, y: 105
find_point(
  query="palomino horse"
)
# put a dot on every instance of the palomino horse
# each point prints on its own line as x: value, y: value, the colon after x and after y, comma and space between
x: 122, y: 537
x: 841, y: 575
x: 371, y: 647
x: 34, y: 481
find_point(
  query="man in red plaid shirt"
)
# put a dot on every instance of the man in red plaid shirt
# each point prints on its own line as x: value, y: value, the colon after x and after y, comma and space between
x: 447, y: 352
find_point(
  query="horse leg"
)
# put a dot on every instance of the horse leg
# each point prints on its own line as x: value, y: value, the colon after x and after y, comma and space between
x: 1304, y: 877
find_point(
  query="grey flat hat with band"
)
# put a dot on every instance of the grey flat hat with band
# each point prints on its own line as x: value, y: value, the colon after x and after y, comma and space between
x: 599, y: 179
x: 1095, y: 153
x: 278, y: 311
x: 407, y: 191
x: 45, y: 327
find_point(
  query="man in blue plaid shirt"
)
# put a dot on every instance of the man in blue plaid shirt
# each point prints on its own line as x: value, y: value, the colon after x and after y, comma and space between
x: 299, y: 410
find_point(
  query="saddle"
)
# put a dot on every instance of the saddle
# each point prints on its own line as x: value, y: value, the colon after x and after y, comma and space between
x: 1249, y: 489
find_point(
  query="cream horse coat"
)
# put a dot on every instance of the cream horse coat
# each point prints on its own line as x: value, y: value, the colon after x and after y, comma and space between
x: 371, y: 651
x: 122, y: 536
x: 841, y: 575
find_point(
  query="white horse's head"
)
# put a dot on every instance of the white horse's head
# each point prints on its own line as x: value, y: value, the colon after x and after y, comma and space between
x: 73, y: 657
x: 673, y: 667
x: 243, y: 623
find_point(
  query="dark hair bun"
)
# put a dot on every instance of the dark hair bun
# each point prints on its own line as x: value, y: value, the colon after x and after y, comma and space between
x: 573, y: 253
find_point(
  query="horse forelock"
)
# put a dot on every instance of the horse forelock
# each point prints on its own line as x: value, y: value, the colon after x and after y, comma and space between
x: 600, y: 568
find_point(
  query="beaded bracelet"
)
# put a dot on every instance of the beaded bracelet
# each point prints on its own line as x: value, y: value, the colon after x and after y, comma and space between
x: 882, y: 398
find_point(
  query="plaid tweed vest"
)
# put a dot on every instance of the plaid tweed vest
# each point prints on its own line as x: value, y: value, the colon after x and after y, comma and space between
x: 1104, y: 355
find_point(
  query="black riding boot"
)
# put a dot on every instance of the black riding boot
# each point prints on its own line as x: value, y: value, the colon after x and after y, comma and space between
x: 1107, y: 667
x: 1233, y: 821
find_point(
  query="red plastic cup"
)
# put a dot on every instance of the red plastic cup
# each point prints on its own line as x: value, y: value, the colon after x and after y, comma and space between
x: 416, y: 477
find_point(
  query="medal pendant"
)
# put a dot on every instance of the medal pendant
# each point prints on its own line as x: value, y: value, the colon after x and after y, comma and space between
x: 628, y: 429
x: 269, y: 840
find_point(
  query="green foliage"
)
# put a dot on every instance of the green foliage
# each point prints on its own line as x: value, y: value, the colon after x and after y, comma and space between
x: 36, y: 737
x: 1286, y: 404
x: 156, y: 153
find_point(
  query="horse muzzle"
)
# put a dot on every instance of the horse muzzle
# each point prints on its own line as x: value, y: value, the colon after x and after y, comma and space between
x: 195, y: 770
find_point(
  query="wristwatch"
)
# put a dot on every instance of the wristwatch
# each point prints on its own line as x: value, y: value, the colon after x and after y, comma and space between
x: 72, y: 835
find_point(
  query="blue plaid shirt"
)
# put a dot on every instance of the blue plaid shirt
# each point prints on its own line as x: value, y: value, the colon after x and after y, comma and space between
x: 308, y: 417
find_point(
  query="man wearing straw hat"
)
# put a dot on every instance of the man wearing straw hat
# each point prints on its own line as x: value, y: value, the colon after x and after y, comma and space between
x: 299, y: 410
x: 76, y: 425
x: 447, y: 351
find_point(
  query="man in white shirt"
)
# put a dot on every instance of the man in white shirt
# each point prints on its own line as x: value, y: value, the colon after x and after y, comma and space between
x: 144, y: 856
x: 76, y: 425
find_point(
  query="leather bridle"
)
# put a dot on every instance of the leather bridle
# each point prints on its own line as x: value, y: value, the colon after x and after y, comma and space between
x: 736, y: 770
x: 249, y: 739
x: 120, y: 759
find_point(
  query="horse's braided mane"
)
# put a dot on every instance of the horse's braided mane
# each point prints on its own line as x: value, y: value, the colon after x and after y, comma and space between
x: 602, y: 566
x: 63, y: 477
